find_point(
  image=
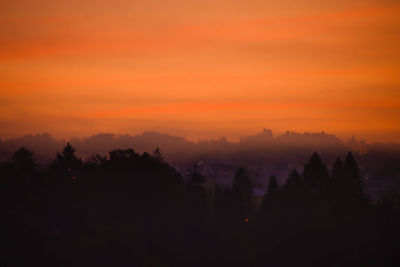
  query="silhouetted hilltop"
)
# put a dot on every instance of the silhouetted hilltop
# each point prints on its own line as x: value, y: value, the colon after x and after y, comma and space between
x: 44, y: 145
x: 287, y: 148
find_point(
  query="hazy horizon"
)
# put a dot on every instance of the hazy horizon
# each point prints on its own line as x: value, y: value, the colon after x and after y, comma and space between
x: 208, y: 137
x: 232, y: 138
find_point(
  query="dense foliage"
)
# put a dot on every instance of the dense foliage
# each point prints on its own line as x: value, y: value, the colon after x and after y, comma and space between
x: 130, y: 209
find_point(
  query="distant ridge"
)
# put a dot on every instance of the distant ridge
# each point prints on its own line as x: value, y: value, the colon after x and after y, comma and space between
x: 177, y: 149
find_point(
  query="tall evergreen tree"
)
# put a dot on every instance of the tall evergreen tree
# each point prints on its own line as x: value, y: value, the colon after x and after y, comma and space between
x: 242, y: 194
x: 270, y: 205
x: 352, y: 173
x: 294, y: 182
x: 196, y: 198
x: 316, y: 176
x: 338, y: 183
x: 337, y: 169
x: 68, y: 162
x: 352, y: 181
x: 347, y: 186
x: 294, y: 190
x: 222, y: 204
x: 273, y: 188
x: 295, y: 202
x: 68, y: 159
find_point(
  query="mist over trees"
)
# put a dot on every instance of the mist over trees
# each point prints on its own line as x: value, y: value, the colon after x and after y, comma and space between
x: 289, y: 145
x: 264, y: 154
x: 130, y: 208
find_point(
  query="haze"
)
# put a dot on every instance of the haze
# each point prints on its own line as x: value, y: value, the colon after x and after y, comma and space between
x: 200, y: 69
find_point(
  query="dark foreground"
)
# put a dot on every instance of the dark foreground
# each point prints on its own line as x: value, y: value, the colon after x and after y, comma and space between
x: 136, y: 210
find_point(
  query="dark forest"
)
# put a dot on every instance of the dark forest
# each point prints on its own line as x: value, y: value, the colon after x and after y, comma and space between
x: 131, y: 209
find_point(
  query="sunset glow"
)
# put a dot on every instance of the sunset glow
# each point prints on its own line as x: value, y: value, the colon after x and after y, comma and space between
x: 200, y: 69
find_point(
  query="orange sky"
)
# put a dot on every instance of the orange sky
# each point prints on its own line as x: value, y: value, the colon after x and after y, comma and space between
x: 200, y: 69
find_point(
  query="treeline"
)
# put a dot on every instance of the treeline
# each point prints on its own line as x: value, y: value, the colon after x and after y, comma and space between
x: 254, y: 149
x: 130, y: 209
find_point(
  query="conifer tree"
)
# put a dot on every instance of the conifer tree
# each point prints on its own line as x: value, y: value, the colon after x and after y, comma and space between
x: 270, y: 205
x: 294, y: 182
x: 352, y: 181
x: 241, y: 194
x: 157, y: 154
x: 196, y: 197
x: 294, y: 190
x: 352, y: 173
x: 68, y: 162
x: 316, y: 176
x: 338, y: 183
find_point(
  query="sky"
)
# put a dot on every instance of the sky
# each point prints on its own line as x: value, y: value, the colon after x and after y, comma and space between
x: 200, y: 69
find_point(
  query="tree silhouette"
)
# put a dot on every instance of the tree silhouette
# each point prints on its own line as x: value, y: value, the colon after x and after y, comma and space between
x: 338, y: 184
x: 294, y: 190
x: 316, y: 177
x: 67, y: 163
x: 337, y: 170
x: 68, y: 159
x: 346, y: 186
x: 352, y: 185
x: 23, y: 160
x: 139, y: 209
x: 270, y: 205
x: 157, y: 154
x: 122, y: 155
x: 294, y: 182
x: 352, y: 173
x: 241, y: 195
x: 196, y: 198
x: 222, y: 204
x: 273, y: 188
